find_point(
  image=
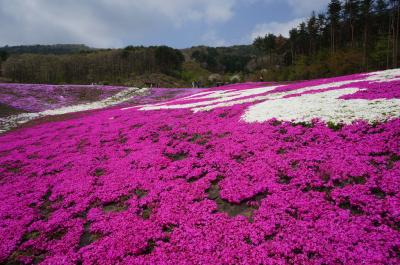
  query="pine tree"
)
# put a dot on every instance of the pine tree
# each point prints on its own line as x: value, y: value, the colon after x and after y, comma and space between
x: 351, y: 10
x: 293, y: 35
x: 312, y: 30
x: 334, y: 9
x: 366, y: 7
x: 395, y: 23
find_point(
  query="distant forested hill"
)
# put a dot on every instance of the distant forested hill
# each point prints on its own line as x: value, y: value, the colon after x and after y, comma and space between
x: 231, y: 59
x: 350, y: 36
x: 46, y: 49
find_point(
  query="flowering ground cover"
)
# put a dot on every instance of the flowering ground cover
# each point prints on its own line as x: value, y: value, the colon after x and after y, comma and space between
x: 20, y: 103
x: 304, y: 173
x: 36, y: 98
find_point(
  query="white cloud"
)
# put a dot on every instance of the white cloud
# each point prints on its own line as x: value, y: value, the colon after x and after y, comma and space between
x: 211, y: 38
x: 276, y: 28
x: 300, y: 7
x: 104, y: 23
x: 115, y: 23
x: 305, y: 7
x: 180, y: 11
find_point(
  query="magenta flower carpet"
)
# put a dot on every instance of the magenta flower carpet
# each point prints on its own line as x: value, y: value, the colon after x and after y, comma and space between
x: 303, y: 173
x: 32, y: 97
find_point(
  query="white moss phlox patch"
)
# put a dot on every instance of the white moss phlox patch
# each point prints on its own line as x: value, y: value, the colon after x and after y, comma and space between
x: 325, y: 105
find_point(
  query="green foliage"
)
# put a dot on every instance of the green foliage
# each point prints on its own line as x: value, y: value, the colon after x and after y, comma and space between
x: 351, y: 36
x: 192, y: 71
x: 234, y: 63
x: 323, y: 64
x: 207, y: 58
x: 168, y: 59
x: 334, y: 9
x: 381, y: 54
x: 46, y: 49
x: 265, y: 44
x: 224, y: 59
x: 101, y: 66
x: 334, y: 126
x: 3, y: 55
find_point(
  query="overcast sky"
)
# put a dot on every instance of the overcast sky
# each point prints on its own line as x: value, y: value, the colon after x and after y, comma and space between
x: 177, y: 23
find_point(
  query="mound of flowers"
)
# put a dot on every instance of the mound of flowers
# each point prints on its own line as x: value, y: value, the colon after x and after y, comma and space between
x: 305, y: 173
x: 37, y: 97
x: 21, y: 103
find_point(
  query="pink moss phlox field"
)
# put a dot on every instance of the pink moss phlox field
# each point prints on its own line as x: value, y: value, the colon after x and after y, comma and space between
x: 40, y: 97
x: 158, y: 94
x: 368, y: 88
x: 177, y: 187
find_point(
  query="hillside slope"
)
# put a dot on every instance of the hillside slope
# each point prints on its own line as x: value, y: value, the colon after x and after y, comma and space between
x: 305, y: 173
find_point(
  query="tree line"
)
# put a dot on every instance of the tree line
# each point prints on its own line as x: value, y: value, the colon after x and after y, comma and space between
x: 45, y: 49
x: 104, y: 66
x: 351, y: 36
x: 77, y: 64
x: 232, y: 59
